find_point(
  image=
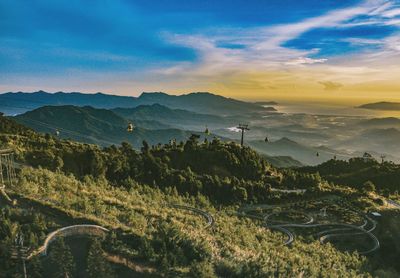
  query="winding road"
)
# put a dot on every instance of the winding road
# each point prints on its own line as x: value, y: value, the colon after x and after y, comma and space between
x: 336, y: 229
x: 206, y: 215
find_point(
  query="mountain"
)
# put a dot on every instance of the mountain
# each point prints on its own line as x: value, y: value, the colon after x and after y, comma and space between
x: 201, y: 102
x: 269, y: 103
x: 172, y: 117
x: 380, y: 140
x: 283, y: 161
x: 17, y: 103
x: 383, y: 105
x: 302, y: 153
x: 91, y: 125
x: 205, y: 103
x: 380, y: 122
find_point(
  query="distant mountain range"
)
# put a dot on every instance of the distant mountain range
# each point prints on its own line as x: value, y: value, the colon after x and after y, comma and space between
x: 159, y: 117
x: 206, y: 103
x: 380, y: 140
x: 383, y: 105
x: 304, y: 154
x: 381, y: 122
x: 106, y: 127
x: 17, y: 103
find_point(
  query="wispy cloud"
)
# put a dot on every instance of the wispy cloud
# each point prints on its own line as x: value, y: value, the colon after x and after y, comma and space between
x: 330, y: 85
x: 262, y: 47
x: 262, y: 52
x: 305, y: 61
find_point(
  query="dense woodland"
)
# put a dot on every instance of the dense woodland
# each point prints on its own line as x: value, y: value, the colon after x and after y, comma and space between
x: 355, y: 172
x: 129, y: 191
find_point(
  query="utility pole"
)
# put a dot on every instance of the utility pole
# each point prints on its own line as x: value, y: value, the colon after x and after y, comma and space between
x: 383, y: 158
x: 19, y: 252
x: 7, y: 171
x: 242, y: 127
x: 7, y: 160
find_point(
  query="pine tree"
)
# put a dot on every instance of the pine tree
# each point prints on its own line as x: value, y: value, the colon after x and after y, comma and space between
x: 62, y: 259
x: 97, y: 265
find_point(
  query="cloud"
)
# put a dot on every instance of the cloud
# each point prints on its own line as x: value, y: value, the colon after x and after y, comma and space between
x: 262, y: 48
x: 331, y: 86
x: 306, y: 61
x: 263, y: 57
x: 391, y: 13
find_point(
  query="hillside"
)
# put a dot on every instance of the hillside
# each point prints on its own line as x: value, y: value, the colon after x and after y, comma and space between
x: 91, y: 125
x: 173, y: 117
x: 383, y: 105
x: 154, y: 124
x: 194, y: 209
x: 357, y: 171
x: 283, y: 161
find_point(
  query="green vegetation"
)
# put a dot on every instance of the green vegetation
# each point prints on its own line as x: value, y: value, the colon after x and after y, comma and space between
x: 130, y: 193
x: 358, y: 171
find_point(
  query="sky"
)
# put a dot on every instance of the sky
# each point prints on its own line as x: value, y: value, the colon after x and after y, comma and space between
x: 297, y: 50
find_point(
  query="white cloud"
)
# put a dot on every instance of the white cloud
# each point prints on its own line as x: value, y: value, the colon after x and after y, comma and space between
x: 305, y: 60
x: 262, y: 51
x: 262, y: 47
x: 391, y: 13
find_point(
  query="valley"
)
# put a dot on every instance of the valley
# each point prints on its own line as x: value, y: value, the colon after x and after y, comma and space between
x: 310, y: 139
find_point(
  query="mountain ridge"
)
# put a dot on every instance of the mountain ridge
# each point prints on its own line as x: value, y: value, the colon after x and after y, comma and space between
x: 382, y: 105
x: 92, y: 125
x: 199, y: 102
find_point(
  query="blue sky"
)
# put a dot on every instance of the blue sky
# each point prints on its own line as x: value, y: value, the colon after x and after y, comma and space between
x: 126, y: 47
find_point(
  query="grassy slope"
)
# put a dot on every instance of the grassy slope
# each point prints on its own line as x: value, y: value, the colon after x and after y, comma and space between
x: 233, y: 239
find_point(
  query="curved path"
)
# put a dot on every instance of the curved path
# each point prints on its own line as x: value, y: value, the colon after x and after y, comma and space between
x: 206, y: 215
x: 85, y: 229
x: 344, y: 233
x: 340, y: 230
x: 281, y: 228
x: 289, y: 234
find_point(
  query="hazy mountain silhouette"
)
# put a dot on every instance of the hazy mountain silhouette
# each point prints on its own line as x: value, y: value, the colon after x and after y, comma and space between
x: 383, y: 105
x: 16, y: 103
x: 304, y: 154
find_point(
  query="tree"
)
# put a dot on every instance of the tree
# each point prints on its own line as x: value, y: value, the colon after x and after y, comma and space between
x: 368, y: 186
x: 62, y: 260
x: 202, y: 269
x: 97, y: 265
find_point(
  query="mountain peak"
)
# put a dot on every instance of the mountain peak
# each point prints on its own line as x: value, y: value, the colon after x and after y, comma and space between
x: 286, y: 140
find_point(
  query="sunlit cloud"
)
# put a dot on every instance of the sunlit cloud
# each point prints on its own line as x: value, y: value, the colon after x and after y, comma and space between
x: 305, y: 60
x: 262, y: 55
x: 330, y: 85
